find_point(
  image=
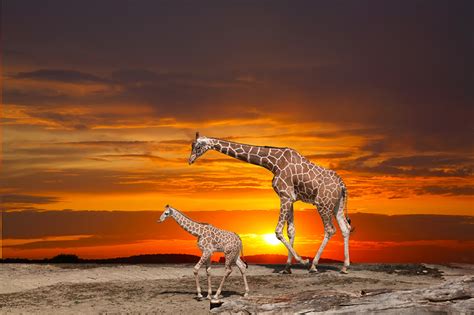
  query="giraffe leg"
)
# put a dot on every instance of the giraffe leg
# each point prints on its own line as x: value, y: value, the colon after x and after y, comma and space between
x: 329, y: 231
x: 291, y: 235
x: 208, y: 273
x: 346, y: 231
x: 228, y: 271
x: 242, y: 267
x: 286, y: 205
x: 205, y: 256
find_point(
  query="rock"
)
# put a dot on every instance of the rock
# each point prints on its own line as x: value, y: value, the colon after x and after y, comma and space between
x: 454, y: 296
x: 289, y: 303
x: 215, y: 303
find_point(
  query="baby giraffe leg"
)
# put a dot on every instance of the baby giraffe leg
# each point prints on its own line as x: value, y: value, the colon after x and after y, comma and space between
x: 205, y: 256
x: 243, y: 268
x: 208, y: 273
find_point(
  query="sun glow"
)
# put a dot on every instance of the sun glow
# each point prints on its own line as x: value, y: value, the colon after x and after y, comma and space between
x: 271, y: 239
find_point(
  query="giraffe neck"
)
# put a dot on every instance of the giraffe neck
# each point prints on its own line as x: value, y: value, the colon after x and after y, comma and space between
x: 186, y: 223
x: 258, y: 155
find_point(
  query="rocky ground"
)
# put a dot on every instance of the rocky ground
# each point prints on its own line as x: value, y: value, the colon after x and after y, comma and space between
x: 170, y: 289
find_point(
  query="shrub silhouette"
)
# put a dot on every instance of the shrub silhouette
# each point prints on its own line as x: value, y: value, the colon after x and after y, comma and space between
x: 65, y: 258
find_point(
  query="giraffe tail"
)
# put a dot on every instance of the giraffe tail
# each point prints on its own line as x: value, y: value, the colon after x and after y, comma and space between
x: 345, y: 196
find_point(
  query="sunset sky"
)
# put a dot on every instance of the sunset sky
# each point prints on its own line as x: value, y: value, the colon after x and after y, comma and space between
x: 101, y: 101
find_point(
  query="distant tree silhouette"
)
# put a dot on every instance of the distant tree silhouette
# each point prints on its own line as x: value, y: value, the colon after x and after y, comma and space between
x: 151, y: 259
x: 65, y: 259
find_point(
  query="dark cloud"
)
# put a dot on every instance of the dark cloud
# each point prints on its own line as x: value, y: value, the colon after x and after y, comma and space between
x: 82, y: 180
x: 60, y: 75
x: 176, y: 142
x: 14, y: 199
x: 412, y: 227
x: 417, y: 165
x: 447, y: 190
x: 134, y: 76
x: 151, y: 157
x: 328, y: 60
x: 429, y: 161
x: 107, y: 181
x: 18, y: 155
x: 81, y: 241
x: 128, y: 146
x: 164, y: 34
x: 436, y: 252
x: 36, y: 97
x: 217, y: 79
x: 328, y: 94
x: 107, y: 227
x: 329, y: 156
x: 322, y: 134
x: 111, y: 223
x: 113, y: 143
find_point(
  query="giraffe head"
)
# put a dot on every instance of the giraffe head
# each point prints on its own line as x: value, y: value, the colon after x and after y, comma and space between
x: 199, y: 146
x: 167, y: 213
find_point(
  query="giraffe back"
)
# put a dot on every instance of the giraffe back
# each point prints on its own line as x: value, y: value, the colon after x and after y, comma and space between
x: 219, y: 240
x: 307, y: 181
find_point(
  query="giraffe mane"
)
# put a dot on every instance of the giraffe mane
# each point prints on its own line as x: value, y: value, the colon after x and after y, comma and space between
x: 263, y: 146
x: 272, y: 147
x: 184, y: 215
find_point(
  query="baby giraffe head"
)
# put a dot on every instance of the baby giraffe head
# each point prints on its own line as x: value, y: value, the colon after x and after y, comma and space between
x: 199, y: 146
x: 167, y: 213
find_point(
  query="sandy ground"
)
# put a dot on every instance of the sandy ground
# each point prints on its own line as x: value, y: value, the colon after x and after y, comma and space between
x: 170, y: 289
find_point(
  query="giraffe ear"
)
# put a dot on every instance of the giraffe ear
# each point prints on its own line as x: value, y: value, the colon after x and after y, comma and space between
x: 197, y: 134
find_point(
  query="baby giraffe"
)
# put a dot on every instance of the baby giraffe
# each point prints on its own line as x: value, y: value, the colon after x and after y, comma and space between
x: 211, y: 240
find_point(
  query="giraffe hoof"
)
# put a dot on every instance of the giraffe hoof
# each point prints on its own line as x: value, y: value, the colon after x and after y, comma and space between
x: 286, y: 271
x: 344, y: 271
x: 305, y: 262
x: 313, y: 270
x: 246, y: 294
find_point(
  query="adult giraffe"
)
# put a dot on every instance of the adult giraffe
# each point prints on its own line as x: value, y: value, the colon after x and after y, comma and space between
x: 295, y: 178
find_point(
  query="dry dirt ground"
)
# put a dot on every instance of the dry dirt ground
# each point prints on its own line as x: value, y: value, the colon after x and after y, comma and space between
x: 170, y: 289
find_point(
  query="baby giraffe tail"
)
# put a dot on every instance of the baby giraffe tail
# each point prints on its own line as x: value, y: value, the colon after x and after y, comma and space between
x: 241, y: 257
x: 242, y: 253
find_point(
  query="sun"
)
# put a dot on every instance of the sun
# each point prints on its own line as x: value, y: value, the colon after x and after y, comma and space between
x: 271, y: 239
